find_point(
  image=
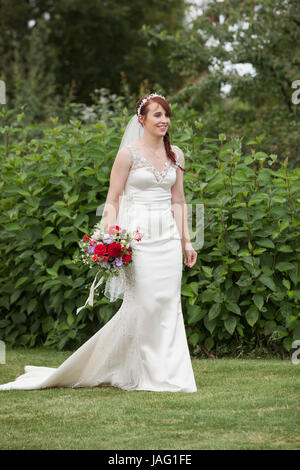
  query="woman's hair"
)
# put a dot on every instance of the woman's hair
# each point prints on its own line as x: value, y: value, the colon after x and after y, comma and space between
x: 166, y: 106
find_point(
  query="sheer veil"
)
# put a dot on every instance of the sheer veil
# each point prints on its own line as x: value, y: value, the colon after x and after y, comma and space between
x: 115, y: 287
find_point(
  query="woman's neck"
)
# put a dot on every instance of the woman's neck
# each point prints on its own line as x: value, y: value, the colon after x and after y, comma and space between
x: 154, y: 142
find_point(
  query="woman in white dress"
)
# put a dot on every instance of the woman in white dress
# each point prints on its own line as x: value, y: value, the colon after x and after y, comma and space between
x: 144, y: 345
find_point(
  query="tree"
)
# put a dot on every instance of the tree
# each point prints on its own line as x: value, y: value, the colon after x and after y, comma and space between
x: 94, y: 42
x: 265, y: 34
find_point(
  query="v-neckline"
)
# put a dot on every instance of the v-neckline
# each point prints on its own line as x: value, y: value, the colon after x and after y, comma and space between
x: 160, y: 172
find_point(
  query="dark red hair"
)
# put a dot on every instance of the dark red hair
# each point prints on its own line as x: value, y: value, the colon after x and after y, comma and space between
x: 167, y: 109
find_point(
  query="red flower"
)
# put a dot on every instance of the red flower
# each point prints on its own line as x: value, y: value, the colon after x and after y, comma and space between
x: 138, y: 237
x: 86, y: 238
x: 113, y: 229
x: 100, y: 249
x: 126, y: 258
x: 114, y: 249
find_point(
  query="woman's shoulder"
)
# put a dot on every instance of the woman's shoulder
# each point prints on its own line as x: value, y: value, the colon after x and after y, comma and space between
x: 176, y: 148
x: 179, y: 154
x: 124, y: 157
x: 124, y: 152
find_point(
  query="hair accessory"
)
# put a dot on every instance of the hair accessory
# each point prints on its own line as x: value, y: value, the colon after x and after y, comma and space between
x: 153, y: 95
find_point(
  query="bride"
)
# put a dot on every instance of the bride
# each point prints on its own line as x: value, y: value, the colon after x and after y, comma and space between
x: 144, y: 345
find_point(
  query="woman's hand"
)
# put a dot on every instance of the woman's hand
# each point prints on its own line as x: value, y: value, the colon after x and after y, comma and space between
x: 190, y: 255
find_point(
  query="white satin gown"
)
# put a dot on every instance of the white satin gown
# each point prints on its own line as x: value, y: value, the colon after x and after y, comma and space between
x: 144, y: 345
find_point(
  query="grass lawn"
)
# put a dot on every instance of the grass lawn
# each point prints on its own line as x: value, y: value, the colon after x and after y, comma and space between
x: 240, y: 404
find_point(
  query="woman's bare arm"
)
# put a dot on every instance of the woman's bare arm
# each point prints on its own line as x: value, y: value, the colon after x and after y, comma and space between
x: 118, y: 178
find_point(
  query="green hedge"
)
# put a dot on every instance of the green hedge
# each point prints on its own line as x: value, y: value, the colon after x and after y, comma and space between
x: 243, y: 291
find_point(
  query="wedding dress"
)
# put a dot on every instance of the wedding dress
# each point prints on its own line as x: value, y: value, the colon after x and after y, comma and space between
x: 144, y: 345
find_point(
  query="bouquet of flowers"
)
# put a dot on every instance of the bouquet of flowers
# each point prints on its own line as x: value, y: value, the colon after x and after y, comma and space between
x: 110, y: 250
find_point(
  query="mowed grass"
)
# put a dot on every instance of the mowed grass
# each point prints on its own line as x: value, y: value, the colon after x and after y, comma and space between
x: 240, y: 404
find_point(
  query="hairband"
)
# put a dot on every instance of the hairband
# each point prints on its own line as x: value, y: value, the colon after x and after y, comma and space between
x: 144, y: 101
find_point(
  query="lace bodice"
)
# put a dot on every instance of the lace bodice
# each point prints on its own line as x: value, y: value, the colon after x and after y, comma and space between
x: 147, y: 192
x: 139, y: 161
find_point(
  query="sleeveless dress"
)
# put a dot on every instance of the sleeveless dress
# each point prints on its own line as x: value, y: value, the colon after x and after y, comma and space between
x: 144, y: 345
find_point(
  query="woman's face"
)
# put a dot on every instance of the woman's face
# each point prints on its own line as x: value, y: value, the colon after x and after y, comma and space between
x: 156, y: 121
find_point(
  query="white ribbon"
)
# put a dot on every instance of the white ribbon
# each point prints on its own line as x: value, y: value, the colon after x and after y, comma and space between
x: 90, y: 299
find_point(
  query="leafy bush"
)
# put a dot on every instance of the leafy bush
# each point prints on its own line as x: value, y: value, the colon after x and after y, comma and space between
x: 243, y: 290
x: 245, y: 285
x: 51, y: 188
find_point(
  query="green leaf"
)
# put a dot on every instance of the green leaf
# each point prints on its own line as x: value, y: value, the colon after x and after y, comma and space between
x: 52, y: 272
x: 209, y: 343
x: 287, y: 344
x: 233, y: 307
x: 50, y: 239
x: 285, y: 249
x: 283, y: 225
x: 72, y: 199
x: 230, y: 324
x: 18, y: 317
x: 64, y: 212
x: 296, y: 333
x: 258, y: 300
x: 266, y: 243
x: 14, y: 227
x: 21, y: 281
x: 31, y: 305
x: 194, y: 286
x: 252, y: 315
x: 79, y: 282
x: 209, y: 296
x: 80, y: 219
x: 70, y: 239
x: 46, y: 231
x: 267, y: 281
x: 284, y: 266
x: 210, y: 325
x: 187, y: 291
x: 194, y: 338
x: 214, y: 311
x: 207, y: 271
x: 15, y: 296
x: 70, y: 319
x: 195, y: 313
x: 47, y: 324
x: 4, y: 323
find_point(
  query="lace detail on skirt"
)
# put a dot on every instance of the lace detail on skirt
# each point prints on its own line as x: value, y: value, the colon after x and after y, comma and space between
x: 131, y: 370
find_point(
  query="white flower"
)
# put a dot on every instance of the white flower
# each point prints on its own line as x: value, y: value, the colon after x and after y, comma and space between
x: 96, y: 234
